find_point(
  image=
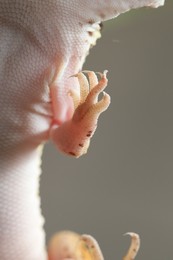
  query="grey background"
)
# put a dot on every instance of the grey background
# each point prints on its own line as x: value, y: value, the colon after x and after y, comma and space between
x: 125, y: 181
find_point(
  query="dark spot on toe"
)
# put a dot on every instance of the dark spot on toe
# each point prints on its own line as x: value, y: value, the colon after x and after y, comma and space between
x: 90, y: 33
x: 91, y: 21
x: 81, y: 145
x: 89, y: 133
x: 72, y: 153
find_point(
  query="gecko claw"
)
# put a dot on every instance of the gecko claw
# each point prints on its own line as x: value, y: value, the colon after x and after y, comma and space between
x: 103, y: 74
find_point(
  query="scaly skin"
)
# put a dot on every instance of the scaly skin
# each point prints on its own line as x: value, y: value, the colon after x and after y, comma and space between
x: 42, y: 43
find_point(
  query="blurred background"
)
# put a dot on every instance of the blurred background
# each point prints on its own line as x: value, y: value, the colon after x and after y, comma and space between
x: 125, y: 182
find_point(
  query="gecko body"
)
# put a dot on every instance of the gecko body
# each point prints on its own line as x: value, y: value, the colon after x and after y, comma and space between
x: 42, y: 44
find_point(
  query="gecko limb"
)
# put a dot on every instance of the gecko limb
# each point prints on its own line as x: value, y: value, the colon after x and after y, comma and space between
x: 67, y: 245
x: 73, y: 136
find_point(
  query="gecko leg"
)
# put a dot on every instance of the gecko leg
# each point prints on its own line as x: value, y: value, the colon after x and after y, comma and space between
x: 73, y: 136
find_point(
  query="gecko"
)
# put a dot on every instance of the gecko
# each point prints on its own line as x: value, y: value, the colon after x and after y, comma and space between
x: 45, y: 95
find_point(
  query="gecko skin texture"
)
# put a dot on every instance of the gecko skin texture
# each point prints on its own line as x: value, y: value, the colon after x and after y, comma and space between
x: 42, y: 43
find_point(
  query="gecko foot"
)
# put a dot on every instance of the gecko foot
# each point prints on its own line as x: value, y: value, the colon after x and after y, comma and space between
x: 67, y: 245
x: 73, y: 137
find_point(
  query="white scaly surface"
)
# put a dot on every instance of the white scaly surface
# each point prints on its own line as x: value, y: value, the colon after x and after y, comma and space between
x: 40, y: 41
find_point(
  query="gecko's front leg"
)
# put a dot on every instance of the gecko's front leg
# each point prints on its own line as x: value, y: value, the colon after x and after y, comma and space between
x: 73, y: 136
